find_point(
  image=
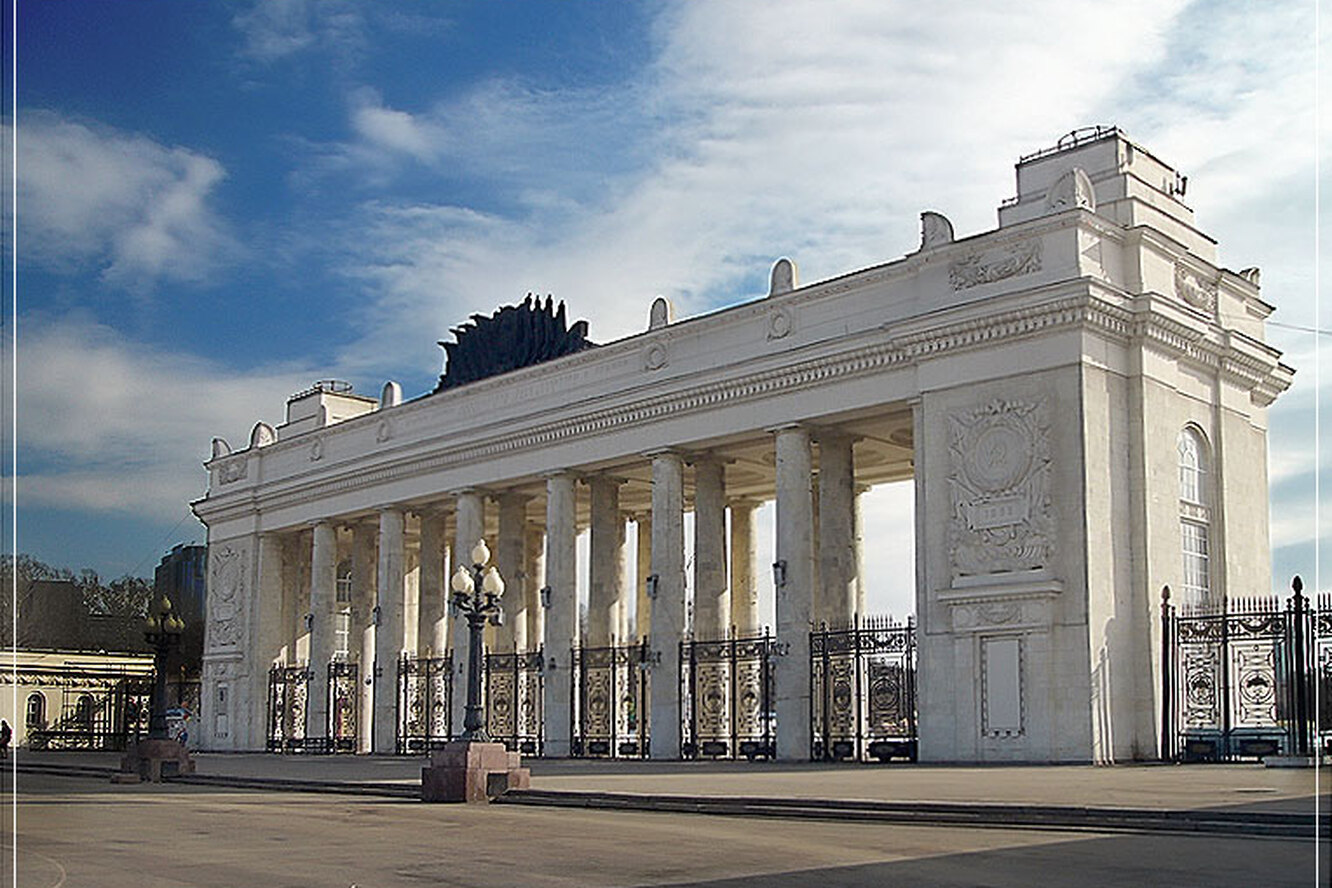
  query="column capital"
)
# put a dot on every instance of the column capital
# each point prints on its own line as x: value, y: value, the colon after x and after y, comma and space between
x: 469, y: 491
x: 665, y: 451
x: 512, y: 496
x: 788, y: 427
x: 744, y: 502
x: 556, y: 474
x: 319, y: 522
x: 833, y: 434
x: 603, y: 477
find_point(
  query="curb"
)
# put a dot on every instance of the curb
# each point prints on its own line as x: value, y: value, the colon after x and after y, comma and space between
x: 980, y: 814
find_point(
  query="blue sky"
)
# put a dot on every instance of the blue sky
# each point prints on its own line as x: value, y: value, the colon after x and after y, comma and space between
x: 218, y: 203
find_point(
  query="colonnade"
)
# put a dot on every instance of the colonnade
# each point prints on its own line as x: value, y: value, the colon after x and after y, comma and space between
x: 397, y: 563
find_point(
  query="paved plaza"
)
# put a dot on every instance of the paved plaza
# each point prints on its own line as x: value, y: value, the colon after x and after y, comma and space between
x: 76, y: 828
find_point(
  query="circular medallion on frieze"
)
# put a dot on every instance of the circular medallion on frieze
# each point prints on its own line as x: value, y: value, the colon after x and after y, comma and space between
x: 999, y: 458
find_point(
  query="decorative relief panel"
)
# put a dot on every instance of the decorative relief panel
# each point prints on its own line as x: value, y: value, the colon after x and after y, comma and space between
x: 989, y: 266
x: 232, y: 470
x: 1002, y: 518
x: 226, y: 596
x: 1195, y: 289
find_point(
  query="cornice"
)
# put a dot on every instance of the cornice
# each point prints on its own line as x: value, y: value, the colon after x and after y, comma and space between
x: 1094, y: 306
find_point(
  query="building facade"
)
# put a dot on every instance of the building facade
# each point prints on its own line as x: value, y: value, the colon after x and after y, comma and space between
x: 1079, y: 396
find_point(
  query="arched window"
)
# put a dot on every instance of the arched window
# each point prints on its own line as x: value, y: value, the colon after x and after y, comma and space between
x: 342, y: 613
x: 1192, y: 467
x: 35, y: 717
x: 83, y: 713
x: 1194, y: 518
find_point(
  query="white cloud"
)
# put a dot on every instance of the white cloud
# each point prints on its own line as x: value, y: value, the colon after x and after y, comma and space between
x: 134, y: 208
x: 275, y: 30
x: 108, y: 424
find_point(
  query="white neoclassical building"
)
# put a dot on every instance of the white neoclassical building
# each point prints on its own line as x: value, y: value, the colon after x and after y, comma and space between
x: 1079, y: 396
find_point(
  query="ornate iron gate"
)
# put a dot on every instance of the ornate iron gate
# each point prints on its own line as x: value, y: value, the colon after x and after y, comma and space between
x: 425, y: 703
x: 1238, y: 682
x: 609, y: 711
x: 726, y: 698
x: 513, y: 689
x: 288, y: 688
x: 343, y: 706
x: 863, y: 691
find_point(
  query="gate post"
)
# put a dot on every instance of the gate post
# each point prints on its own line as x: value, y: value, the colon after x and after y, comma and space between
x: 1300, y: 679
x: 1167, y: 679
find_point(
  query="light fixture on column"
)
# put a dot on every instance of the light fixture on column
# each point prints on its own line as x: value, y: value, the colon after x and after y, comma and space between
x: 779, y: 573
x: 374, y: 615
x: 309, y: 622
x: 653, y: 581
x: 545, y: 597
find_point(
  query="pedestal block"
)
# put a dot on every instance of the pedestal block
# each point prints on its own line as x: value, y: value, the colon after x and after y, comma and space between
x: 464, y: 771
x: 152, y: 760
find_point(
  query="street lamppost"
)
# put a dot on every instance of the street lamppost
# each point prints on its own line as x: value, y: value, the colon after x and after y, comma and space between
x: 476, y: 592
x: 162, y: 630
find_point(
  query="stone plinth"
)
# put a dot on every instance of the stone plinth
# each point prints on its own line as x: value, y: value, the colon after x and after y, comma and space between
x: 152, y: 759
x: 464, y: 771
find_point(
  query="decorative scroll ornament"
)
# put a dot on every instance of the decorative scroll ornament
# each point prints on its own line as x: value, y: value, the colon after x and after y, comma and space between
x: 935, y: 230
x: 1002, y: 518
x: 1195, y: 289
x: 226, y: 597
x: 990, y: 266
x: 1073, y: 189
x: 513, y: 337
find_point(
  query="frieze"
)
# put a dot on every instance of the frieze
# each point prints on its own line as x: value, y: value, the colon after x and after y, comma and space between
x: 989, y: 266
x: 1085, y: 310
x: 1002, y: 518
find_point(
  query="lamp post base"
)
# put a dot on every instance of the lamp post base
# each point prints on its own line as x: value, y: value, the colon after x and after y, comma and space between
x: 152, y: 759
x: 470, y: 771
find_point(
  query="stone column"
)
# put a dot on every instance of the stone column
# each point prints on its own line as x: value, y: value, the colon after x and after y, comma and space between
x: 712, y: 608
x: 858, y: 516
x: 795, y: 557
x: 470, y: 515
x: 606, y: 553
x: 511, y: 559
x: 388, y: 634
x: 323, y: 599
x: 624, y: 629
x: 744, y: 585
x: 269, y: 638
x: 536, y: 578
x: 365, y: 592
x: 668, y: 608
x: 432, y: 638
x: 837, y: 529
x: 642, y: 568
x: 562, y: 614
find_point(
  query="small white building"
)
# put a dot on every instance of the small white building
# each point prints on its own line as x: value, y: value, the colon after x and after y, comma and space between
x: 1079, y: 395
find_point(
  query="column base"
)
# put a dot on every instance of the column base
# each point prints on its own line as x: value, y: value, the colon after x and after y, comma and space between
x: 467, y: 771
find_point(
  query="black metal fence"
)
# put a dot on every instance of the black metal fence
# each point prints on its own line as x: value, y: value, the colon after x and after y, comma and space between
x: 513, y: 693
x: 97, y: 712
x: 863, y: 691
x: 608, y: 715
x: 1238, y: 680
x: 726, y: 699
x: 425, y: 703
